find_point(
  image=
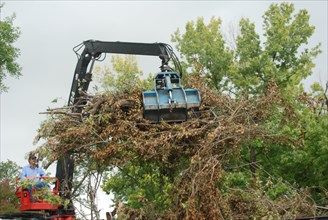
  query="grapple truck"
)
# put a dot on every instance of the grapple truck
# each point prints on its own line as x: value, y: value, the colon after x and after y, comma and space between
x: 168, y: 102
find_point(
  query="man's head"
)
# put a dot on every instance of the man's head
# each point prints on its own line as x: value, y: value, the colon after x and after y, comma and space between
x: 32, y: 160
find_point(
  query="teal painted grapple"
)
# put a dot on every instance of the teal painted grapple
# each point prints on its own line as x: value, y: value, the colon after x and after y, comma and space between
x: 169, y: 101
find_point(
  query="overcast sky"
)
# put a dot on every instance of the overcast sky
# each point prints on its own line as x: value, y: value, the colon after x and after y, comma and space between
x: 50, y: 29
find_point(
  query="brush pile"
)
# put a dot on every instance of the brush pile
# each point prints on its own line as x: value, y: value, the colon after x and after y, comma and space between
x: 112, y: 131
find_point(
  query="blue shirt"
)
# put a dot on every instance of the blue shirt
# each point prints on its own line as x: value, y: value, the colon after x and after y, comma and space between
x: 33, y: 173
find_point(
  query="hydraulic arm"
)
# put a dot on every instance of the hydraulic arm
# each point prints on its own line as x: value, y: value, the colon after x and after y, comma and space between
x: 94, y: 49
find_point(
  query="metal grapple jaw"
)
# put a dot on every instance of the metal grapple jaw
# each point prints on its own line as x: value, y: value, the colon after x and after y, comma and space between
x: 169, y: 101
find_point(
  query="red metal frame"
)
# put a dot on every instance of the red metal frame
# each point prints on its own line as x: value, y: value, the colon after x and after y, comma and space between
x: 41, y: 205
x: 25, y: 198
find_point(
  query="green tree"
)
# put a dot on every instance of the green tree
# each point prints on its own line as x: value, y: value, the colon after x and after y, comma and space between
x: 204, y: 44
x: 141, y: 185
x: 305, y: 166
x: 283, y: 59
x: 124, y: 76
x: 8, y: 53
x: 8, y: 172
x: 280, y: 59
x: 8, y: 200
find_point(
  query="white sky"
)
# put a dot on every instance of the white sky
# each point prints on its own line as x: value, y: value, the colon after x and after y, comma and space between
x: 50, y: 29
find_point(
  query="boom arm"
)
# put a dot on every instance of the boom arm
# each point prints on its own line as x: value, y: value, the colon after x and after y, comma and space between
x: 92, y: 52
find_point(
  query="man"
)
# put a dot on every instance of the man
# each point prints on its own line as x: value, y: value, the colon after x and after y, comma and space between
x: 33, y: 172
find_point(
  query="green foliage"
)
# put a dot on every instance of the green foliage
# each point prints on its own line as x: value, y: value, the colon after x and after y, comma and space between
x: 277, y: 190
x: 148, y: 83
x: 203, y: 45
x: 125, y: 75
x: 279, y: 59
x: 312, y: 159
x: 8, y: 201
x: 8, y: 53
x: 243, y: 179
x: 248, y: 73
x: 141, y: 185
x: 9, y: 170
x: 283, y: 59
x: 303, y: 162
x: 237, y: 179
x: 285, y: 34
